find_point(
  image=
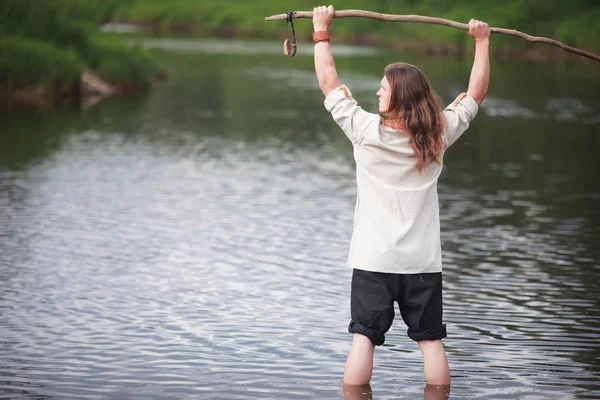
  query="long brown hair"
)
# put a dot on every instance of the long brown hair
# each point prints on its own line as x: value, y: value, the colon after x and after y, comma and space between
x: 415, y: 105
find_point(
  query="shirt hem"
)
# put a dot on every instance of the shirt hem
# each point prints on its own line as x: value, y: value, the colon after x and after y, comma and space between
x: 425, y: 270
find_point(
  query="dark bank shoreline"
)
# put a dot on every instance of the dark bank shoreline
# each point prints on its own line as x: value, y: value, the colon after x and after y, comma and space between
x: 88, y: 91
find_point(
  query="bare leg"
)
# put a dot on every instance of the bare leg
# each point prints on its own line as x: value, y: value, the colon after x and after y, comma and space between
x: 358, y: 392
x: 435, y: 362
x: 359, y: 365
x: 434, y: 392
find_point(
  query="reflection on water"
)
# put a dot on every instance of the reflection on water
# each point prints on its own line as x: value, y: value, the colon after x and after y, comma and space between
x: 365, y: 392
x: 192, y: 244
x: 253, y: 48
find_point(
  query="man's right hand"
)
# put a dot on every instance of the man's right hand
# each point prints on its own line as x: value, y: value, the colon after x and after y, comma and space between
x: 480, y: 73
x: 479, y: 30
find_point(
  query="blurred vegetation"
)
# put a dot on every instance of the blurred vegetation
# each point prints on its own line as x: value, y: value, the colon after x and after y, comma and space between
x: 53, y: 41
x: 50, y: 42
x: 571, y: 22
x: 24, y: 60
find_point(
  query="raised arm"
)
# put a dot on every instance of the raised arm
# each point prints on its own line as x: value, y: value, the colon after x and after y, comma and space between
x: 480, y: 73
x: 324, y: 64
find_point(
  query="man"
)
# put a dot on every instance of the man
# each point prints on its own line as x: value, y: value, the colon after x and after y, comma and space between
x: 395, y: 250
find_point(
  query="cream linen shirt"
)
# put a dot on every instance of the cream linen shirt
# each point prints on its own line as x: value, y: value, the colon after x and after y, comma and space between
x: 396, y: 220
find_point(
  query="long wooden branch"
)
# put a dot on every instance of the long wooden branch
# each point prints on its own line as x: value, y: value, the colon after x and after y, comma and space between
x: 437, y: 21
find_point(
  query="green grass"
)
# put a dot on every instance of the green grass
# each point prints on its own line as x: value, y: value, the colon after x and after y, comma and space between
x: 25, y: 61
x: 118, y: 62
x: 55, y: 40
x: 573, y: 22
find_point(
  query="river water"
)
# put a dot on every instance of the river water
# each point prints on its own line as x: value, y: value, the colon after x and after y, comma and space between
x: 191, y: 242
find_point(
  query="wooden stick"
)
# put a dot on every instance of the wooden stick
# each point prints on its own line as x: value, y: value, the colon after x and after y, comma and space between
x: 437, y: 21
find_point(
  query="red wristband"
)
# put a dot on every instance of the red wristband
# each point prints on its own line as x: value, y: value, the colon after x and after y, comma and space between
x: 320, y: 36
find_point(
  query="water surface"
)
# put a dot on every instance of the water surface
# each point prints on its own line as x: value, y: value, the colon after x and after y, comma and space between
x: 191, y: 243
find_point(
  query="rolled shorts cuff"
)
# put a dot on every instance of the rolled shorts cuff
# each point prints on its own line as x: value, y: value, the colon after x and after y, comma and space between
x: 376, y: 338
x: 428, y: 335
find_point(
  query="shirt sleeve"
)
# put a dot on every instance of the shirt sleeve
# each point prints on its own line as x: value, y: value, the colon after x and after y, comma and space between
x: 345, y: 110
x: 458, y: 116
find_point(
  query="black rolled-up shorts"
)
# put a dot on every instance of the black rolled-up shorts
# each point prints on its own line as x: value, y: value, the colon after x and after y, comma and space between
x: 419, y: 298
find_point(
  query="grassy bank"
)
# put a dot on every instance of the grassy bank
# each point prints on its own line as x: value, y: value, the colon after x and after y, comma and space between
x: 48, y: 44
x: 574, y: 23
